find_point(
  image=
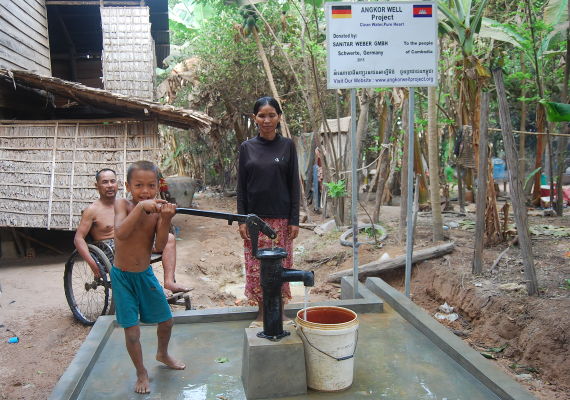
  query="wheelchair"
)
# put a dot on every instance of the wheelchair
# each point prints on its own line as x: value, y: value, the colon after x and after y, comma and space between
x: 89, y: 297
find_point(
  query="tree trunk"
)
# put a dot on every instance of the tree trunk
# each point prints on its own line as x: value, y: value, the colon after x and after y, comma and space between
x: 540, y: 128
x: 477, y: 266
x: 515, y: 183
x: 179, y: 160
x: 362, y: 124
x: 522, y: 127
x: 419, y: 171
x: 284, y: 126
x: 384, y: 161
x: 270, y: 80
x: 433, y: 154
x: 361, y: 127
x: 562, y: 140
x: 540, y: 112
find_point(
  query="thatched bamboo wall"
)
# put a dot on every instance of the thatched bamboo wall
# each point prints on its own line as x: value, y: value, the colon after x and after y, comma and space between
x: 128, y: 51
x: 47, y: 168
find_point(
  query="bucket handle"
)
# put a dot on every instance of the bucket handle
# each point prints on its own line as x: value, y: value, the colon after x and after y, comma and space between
x: 326, y: 354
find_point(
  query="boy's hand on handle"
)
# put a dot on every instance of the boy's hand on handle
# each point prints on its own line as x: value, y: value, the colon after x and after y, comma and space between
x: 168, y: 210
x: 152, y: 205
x: 243, y: 232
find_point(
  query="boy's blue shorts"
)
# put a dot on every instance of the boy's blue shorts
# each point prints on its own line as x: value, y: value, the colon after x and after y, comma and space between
x: 138, y: 292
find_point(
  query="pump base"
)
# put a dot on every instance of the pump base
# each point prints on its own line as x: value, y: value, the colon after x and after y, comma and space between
x: 273, y: 369
x: 273, y: 338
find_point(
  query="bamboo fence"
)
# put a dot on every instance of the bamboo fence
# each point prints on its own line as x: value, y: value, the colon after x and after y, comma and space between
x: 47, y: 168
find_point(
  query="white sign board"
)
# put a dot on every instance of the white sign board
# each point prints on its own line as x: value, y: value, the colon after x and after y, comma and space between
x: 388, y: 44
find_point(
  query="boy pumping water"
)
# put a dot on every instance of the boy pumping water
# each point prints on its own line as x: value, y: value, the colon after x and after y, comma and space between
x: 139, y: 223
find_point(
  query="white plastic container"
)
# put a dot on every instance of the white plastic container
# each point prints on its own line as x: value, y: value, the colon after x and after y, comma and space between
x: 330, y: 336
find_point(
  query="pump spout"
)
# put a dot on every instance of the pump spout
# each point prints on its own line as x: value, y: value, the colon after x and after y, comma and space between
x: 295, y: 275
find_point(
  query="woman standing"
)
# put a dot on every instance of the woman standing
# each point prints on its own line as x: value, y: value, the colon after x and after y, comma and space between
x: 268, y: 185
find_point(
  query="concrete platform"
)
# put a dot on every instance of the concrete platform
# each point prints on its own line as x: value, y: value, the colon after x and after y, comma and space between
x: 398, y: 357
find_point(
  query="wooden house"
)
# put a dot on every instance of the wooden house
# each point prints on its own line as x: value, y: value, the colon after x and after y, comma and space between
x: 76, y: 95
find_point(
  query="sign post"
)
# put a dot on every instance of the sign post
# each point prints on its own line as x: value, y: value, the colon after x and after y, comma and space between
x: 382, y: 44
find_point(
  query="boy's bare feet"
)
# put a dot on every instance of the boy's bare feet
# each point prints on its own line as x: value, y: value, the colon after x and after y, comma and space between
x: 142, y: 386
x: 175, y: 287
x: 170, y: 362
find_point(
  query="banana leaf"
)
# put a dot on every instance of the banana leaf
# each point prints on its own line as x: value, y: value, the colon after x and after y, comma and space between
x: 556, y: 112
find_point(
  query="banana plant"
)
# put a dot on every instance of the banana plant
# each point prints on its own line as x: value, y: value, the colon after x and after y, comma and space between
x: 462, y: 22
x: 555, y: 15
x: 191, y: 13
x: 555, y: 19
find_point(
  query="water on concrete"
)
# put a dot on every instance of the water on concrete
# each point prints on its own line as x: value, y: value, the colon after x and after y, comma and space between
x: 393, y: 361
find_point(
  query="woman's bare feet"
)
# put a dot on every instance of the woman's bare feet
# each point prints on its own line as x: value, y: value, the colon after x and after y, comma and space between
x: 170, y: 362
x: 142, y: 386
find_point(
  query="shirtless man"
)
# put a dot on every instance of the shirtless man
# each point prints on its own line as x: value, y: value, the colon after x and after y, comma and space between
x: 98, y: 221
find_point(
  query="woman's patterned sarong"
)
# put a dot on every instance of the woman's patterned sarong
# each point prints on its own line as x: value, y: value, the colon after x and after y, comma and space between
x: 253, y: 290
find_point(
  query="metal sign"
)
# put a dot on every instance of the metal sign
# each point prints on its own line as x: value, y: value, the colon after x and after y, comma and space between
x: 381, y: 44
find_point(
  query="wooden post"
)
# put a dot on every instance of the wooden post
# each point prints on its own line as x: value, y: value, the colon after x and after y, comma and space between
x: 477, y: 266
x: 72, y: 178
x: 52, y: 179
x: 141, y: 138
x: 515, y: 183
x: 125, y: 136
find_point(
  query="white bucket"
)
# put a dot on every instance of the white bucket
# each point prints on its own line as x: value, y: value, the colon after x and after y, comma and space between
x: 329, y: 335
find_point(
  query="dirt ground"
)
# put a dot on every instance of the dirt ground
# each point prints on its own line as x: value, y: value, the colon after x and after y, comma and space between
x: 527, y: 337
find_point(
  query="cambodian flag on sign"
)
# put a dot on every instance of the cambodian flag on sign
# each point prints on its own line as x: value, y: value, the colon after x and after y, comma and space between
x: 422, y: 11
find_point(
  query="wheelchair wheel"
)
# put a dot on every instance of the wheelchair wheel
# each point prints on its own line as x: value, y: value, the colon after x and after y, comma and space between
x: 88, y: 298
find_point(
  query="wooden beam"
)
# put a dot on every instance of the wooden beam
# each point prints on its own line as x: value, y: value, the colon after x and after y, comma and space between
x: 377, y: 267
x: 531, y: 133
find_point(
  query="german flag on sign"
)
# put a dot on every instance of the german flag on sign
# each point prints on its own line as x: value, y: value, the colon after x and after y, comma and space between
x: 342, y: 11
x: 422, y: 11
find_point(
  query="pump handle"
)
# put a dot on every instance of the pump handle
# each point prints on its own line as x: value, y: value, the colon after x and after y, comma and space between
x: 253, y: 222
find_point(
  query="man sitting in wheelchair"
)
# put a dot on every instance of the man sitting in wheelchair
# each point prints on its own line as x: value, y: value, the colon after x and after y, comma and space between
x: 98, y: 221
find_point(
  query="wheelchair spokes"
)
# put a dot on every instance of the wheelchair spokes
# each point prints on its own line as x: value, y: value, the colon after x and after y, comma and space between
x: 88, y: 297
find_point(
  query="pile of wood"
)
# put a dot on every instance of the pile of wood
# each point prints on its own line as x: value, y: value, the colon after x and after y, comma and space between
x: 377, y: 267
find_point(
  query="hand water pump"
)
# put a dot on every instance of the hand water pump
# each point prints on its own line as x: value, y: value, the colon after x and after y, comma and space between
x: 273, y: 275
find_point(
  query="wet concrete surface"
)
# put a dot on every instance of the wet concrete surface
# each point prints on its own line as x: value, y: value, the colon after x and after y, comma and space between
x: 393, y: 361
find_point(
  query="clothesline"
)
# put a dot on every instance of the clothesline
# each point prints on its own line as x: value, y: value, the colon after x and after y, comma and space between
x: 531, y: 133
